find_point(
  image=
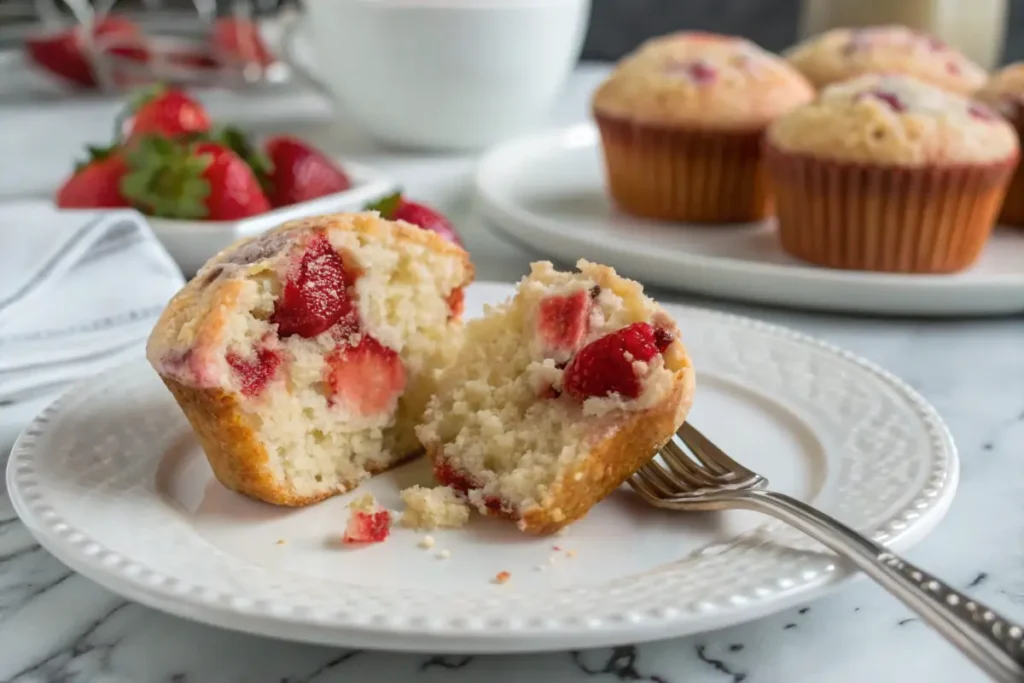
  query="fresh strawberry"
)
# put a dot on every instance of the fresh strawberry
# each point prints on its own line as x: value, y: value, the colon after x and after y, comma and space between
x: 367, y: 378
x: 238, y: 41
x: 315, y: 296
x: 300, y: 172
x: 605, y: 366
x: 191, y: 180
x: 256, y: 372
x: 96, y: 182
x: 396, y: 208
x: 563, y: 322
x: 238, y: 142
x: 167, y: 112
x: 65, y: 53
x: 367, y: 527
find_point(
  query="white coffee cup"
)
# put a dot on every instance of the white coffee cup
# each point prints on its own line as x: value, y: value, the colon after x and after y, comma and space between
x: 445, y: 74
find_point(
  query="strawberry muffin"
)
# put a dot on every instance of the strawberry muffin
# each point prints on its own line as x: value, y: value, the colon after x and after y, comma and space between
x: 888, y: 173
x: 681, y: 123
x: 845, y: 53
x: 557, y: 396
x: 304, y: 357
x: 1005, y: 93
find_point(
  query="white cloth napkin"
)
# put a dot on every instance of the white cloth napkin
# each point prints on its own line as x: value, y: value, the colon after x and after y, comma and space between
x: 79, y: 292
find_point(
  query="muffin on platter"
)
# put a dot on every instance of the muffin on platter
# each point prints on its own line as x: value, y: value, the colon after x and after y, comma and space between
x: 681, y: 123
x: 888, y: 173
x: 845, y: 53
x: 557, y: 396
x: 1004, y: 92
x: 303, y: 358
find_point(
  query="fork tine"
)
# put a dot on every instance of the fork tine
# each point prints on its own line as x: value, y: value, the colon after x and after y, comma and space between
x: 684, y: 467
x: 666, y: 481
x: 640, y: 484
x: 713, y: 457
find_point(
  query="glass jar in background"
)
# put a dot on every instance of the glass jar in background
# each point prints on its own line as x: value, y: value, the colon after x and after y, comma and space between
x: 977, y: 27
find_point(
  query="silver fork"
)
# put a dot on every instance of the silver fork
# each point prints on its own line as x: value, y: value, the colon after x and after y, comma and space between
x: 711, y: 480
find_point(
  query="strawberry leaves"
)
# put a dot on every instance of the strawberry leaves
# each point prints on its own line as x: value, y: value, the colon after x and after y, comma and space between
x: 166, y: 178
x: 386, y: 206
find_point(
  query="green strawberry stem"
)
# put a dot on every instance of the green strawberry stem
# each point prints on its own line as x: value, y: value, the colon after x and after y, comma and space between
x: 386, y: 206
x: 165, y: 178
x: 96, y: 153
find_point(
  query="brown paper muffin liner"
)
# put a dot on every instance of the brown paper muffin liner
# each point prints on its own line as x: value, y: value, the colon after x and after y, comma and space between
x: 1013, y: 205
x: 885, y: 218
x: 677, y: 174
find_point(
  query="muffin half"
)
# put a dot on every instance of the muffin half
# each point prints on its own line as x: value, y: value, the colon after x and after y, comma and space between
x: 303, y: 358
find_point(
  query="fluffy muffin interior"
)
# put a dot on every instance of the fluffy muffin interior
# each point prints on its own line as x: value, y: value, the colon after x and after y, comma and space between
x: 518, y: 410
x: 332, y: 401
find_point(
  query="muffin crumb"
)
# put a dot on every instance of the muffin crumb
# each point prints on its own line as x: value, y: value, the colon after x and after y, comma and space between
x: 427, y: 542
x: 502, y: 577
x: 433, y: 508
x: 444, y: 554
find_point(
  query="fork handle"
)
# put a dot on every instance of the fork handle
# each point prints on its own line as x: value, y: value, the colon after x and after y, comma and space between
x: 990, y: 640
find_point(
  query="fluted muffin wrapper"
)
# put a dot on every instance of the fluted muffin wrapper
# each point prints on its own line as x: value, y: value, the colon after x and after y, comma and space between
x: 684, y: 174
x: 1012, y: 212
x: 898, y: 219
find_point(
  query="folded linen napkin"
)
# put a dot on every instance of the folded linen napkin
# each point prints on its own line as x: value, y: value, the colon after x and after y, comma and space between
x: 79, y: 292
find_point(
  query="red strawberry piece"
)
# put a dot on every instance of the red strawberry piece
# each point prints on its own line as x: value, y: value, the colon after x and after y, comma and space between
x: 301, y: 172
x: 367, y: 527
x: 701, y: 73
x: 95, y: 183
x: 315, y: 297
x: 167, y: 112
x: 366, y: 378
x: 176, y: 179
x: 981, y: 112
x: 256, y: 372
x: 456, y: 303
x: 396, y: 208
x: 563, y: 322
x: 446, y: 475
x: 238, y: 41
x: 891, y: 99
x: 66, y: 53
x: 663, y: 338
x: 605, y: 366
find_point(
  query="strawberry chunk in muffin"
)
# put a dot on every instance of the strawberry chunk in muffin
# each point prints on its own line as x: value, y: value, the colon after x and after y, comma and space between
x: 303, y: 358
x: 557, y: 396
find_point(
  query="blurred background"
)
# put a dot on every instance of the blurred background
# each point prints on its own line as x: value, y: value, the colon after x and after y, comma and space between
x: 616, y: 26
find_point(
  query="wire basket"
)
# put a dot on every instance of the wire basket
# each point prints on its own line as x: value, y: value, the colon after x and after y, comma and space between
x: 111, y: 46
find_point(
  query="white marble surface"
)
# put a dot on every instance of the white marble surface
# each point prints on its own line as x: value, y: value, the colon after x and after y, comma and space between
x: 57, y: 626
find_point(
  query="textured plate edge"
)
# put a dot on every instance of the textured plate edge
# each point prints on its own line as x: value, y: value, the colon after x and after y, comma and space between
x: 1008, y: 289
x: 559, y: 636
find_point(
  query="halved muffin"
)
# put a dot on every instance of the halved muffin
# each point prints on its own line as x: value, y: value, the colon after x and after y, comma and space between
x: 303, y: 358
x: 557, y: 396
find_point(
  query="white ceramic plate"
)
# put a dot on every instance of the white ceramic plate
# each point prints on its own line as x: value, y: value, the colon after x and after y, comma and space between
x: 547, y: 192
x: 112, y: 481
x: 192, y: 243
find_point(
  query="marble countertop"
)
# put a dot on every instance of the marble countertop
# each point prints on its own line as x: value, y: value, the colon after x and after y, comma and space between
x: 57, y: 626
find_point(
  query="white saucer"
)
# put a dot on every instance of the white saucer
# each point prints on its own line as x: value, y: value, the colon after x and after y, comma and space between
x: 547, y: 192
x: 112, y: 481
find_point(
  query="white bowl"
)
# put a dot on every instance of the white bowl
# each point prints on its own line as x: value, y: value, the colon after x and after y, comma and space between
x: 191, y: 243
x: 445, y: 74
